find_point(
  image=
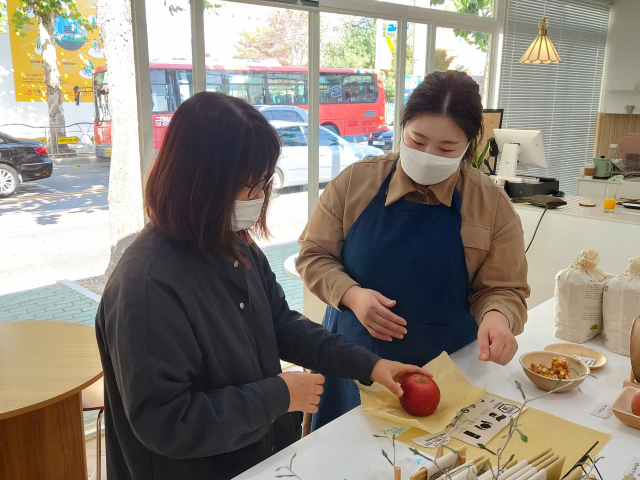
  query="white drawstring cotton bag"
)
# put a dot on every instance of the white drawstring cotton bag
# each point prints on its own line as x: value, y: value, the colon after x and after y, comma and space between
x: 620, y: 305
x: 578, y: 297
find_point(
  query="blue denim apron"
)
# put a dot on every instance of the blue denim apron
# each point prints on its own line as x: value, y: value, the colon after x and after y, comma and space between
x: 412, y: 253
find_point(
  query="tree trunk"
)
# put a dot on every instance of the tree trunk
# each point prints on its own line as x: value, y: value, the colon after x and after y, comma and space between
x: 52, y: 80
x: 126, y: 216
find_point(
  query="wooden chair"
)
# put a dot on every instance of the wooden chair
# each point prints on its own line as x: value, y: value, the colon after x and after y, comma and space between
x: 93, y: 399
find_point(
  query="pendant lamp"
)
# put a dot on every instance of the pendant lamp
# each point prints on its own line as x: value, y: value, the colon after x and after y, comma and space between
x: 541, y: 50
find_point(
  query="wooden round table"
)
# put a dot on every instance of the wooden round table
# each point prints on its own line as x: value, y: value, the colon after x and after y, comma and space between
x: 44, y: 366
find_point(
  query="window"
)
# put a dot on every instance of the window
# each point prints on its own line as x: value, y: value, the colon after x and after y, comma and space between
x: 162, y: 100
x: 214, y: 81
x: 248, y: 86
x: 286, y: 115
x: 346, y: 88
x: 185, y: 84
x: 328, y: 140
x: 287, y: 88
x: 465, y: 51
x: 292, y: 137
x: 417, y: 64
x: 562, y: 101
x: 102, y: 112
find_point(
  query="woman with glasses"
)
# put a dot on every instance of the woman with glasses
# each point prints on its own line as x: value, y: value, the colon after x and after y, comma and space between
x: 418, y: 253
x: 192, y: 324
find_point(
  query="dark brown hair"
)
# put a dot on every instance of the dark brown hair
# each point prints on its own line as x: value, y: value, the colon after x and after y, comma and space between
x: 453, y: 94
x: 214, y: 147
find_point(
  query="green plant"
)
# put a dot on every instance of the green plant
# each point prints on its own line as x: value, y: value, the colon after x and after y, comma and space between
x: 393, y: 445
x: 3, y: 17
x: 479, y: 156
x: 45, y: 10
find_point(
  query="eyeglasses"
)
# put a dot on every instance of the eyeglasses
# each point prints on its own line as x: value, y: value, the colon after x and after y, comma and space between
x: 256, y: 188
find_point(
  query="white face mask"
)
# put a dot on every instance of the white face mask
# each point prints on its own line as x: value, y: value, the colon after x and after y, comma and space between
x: 246, y: 214
x: 425, y: 168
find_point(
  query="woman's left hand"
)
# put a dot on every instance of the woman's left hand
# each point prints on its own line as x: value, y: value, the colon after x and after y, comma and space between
x: 389, y: 374
x: 497, y: 343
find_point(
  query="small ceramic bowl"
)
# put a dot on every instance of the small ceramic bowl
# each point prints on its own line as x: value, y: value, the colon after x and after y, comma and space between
x: 548, y: 384
x: 622, y: 408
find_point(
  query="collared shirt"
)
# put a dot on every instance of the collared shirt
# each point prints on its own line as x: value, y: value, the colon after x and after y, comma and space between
x: 491, y: 234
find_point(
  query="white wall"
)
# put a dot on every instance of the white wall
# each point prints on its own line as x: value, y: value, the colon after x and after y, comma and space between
x: 30, y: 113
x: 562, y: 237
x: 623, y: 57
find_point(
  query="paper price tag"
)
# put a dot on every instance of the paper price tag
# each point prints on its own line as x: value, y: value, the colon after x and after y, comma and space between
x: 432, y: 440
x: 586, y: 360
x: 634, y: 468
x: 603, y: 411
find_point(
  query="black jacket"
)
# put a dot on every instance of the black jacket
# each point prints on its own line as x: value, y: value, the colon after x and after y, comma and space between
x: 191, y: 346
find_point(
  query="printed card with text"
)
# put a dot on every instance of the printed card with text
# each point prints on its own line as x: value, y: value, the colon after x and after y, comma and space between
x: 485, y: 419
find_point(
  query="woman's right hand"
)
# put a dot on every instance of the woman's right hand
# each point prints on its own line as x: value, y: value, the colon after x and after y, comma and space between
x: 372, y: 309
x: 304, y: 390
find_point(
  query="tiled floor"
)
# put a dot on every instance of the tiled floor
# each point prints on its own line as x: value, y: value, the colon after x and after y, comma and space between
x: 53, y: 302
x: 277, y: 254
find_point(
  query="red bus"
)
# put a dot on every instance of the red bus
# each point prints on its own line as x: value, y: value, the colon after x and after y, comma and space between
x: 352, y: 102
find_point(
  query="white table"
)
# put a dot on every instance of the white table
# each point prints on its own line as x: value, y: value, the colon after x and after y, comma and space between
x: 345, y: 447
x: 290, y: 267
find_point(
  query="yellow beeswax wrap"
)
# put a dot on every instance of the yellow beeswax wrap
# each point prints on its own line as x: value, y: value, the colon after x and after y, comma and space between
x: 542, y: 429
x: 455, y: 393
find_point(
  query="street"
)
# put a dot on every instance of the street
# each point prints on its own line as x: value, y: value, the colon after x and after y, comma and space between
x: 57, y: 228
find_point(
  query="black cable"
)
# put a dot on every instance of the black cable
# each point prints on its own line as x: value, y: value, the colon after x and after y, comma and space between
x: 534, y: 233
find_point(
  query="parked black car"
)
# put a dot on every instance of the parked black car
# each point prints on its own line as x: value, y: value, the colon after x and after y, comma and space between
x: 382, y: 139
x: 21, y: 161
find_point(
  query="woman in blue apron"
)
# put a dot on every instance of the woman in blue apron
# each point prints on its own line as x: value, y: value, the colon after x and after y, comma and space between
x: 418, y: 253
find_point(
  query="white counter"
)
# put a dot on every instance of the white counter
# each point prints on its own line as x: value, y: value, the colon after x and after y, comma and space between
x: 593, y: 188
x: 345, y: 447
x: 566, y: 231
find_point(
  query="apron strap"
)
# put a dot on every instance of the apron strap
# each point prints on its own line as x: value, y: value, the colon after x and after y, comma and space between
x: 382, y: 192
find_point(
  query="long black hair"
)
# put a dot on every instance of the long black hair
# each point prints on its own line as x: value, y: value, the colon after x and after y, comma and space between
x: 453, y: 94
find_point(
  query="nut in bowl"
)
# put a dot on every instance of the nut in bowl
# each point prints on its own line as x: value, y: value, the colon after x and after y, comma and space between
x: 558, y: 369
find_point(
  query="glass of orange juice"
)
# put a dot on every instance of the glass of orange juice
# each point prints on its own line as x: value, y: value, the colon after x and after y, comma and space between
x: 610, y: 198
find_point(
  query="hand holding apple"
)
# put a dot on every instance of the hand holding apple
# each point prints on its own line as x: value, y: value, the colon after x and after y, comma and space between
x: 389, y: 374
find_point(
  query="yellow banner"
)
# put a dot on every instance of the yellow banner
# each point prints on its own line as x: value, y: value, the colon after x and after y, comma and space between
x: 79, y: 52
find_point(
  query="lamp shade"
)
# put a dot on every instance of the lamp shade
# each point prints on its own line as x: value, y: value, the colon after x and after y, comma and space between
x: 541, y: 50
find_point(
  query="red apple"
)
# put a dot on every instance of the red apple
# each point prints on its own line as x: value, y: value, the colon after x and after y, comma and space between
x: 421, y: 395
x: 635, y: 403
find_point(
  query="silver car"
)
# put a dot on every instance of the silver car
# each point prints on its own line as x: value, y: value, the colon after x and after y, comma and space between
x: 336, y: 154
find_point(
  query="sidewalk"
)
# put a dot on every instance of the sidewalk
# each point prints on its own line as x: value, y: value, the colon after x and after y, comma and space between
x: 78, y: 160
x: 60, y: 302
